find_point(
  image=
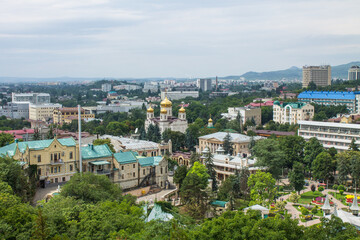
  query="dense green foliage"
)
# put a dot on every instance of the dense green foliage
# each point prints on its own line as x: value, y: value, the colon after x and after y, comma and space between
x: 13, y: 124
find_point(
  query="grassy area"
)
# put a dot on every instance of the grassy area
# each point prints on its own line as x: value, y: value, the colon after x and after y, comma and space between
x: 307, y: 197
x: 339, y: 197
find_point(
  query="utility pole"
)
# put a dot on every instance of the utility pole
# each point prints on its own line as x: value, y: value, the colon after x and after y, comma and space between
x: 80, y: 158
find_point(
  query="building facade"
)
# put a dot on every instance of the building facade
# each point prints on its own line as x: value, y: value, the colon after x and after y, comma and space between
x: 35, y: 98
x: 330, y: 134
x: 106, y: 87
x: 354, y: 73
x: 291, y: 113
x: 97, y: 159
x: 15, y: 110
x: 43, y: 112
x: 134, y: 171
x: 56, y: 159
x: 67, y: 115
x: 166, y: 119
x: 328, y: 98
x: 176, y: 95
x: 320, y: 75
x: 213, y: 141
x: 204, y: 84
x: 245, y: 113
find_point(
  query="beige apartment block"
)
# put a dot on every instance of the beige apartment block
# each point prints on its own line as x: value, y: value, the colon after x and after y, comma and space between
x: 291, y: 113
x: 245, y: 113
x: 42, y: 112
x: 67, y: 115
x: 320, y: 75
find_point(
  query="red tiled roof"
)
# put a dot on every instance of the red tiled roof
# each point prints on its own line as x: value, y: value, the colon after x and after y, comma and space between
x: 19, y: 132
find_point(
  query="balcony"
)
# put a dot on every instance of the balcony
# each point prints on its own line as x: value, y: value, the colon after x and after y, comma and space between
x: 102, y: 172
x: 57, y: 162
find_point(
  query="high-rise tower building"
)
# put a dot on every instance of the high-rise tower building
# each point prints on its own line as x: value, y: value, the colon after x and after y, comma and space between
x: 354, y: 73
x: 320, y: 75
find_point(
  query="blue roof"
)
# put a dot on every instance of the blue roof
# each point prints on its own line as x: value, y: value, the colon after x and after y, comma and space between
x: 34, y: 145
x: 125, y: 157
x: 328, y: 95
x: 95, y: 151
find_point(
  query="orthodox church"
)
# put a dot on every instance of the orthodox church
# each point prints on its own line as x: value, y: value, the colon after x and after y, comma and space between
x: 166, y: 119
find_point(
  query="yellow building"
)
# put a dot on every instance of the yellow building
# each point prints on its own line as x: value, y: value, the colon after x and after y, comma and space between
x: 42, y: 112
x: 67, y: 115
x: 240, y: 142
x: 55, y: 158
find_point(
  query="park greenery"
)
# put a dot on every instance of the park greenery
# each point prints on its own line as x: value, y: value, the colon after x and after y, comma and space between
x: 91, y: 207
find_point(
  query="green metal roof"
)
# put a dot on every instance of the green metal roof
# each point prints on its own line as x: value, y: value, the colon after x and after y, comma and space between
x: 95, y: 151
x: 292, y: 104
x: 100, y: 163
x: 125, y: 157
x: 34, y: 145
x: 219, y: 203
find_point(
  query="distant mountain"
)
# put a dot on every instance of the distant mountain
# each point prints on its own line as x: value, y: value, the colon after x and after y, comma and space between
x: 340, y: 71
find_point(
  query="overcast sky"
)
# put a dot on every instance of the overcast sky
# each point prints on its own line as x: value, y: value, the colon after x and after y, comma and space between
x: 178, y: 38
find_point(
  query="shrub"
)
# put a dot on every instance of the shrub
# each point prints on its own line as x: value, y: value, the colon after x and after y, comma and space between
x: 314, y: 210
x: 313, y: 188
x: 281, y: 188
x: 341, y: 192
x: 294, y: 197
x: 321, y: 188
x: 304, y: 211
x: 341, y: 187
x: 335, y: 187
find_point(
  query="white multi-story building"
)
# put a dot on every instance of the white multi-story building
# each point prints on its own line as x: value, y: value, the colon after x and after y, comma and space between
x: 35, y: 98
x: 127, y: 87
x: 330, y: 134
x: 354, y: 73
x: 166, y: 119
x: 42, y: 112
x: 106, y: 87
x: 246, y: 114
x: 291, y: 113
x: 204, y: 84
x: 150, y: 87
x: 176, y: 95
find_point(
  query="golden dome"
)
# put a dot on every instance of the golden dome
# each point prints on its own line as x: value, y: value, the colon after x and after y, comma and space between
x: 182, y: 110
x: 150, y: 110
x: 163, y: 111
x: 166, y: 103
x: 210, y: 120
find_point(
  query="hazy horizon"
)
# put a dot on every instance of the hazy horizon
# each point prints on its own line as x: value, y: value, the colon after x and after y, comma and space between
x: 182, y: 39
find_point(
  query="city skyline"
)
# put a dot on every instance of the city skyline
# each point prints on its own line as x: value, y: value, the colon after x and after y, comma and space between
x: 101, y: 38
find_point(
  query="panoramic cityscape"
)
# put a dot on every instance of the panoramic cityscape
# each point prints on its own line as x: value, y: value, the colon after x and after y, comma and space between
x: 179, y: 120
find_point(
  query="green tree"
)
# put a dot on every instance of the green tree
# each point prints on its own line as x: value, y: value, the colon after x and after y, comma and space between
x: 320, y: 116
x: 333, y: 228
x: 180, y: 175
x: 36, y: 135
x: 209, y: 163
x: 195, y: 157
x: 193, y: 192
x: 353, y: 146
x: 156, y: 136
x: 41, y: 231
x: 322, y: 166
x: 262, y: 188
x: 16, y: 178
x: 104, y: 141
x: 343, y: 166
x: 296, y: 177
x: 227, y: 145
x: 312, y: 148
x: 269, y: 155
x: 293, y: 147
x: 6, y: 139
x: 50, y: 134
x: 91, y: 188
